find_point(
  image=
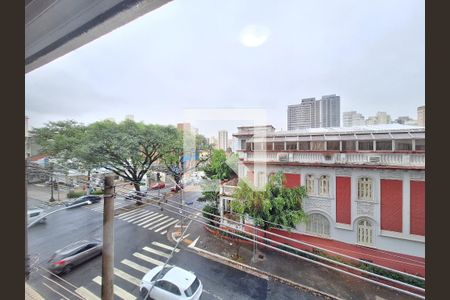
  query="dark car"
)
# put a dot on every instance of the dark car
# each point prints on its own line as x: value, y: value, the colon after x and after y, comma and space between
x: 135, y: 195
x: 65, y: 259
x: 84, y: 199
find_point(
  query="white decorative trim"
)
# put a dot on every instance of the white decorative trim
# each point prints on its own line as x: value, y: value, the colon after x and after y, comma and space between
x: 344, y: 226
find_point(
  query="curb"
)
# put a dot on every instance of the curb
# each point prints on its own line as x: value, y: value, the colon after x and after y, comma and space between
x: 262, y: 274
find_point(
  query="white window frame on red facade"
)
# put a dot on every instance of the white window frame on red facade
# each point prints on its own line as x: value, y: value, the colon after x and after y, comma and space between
x: 365, y: 188
x: 364, y: 231
x: 318, y: 224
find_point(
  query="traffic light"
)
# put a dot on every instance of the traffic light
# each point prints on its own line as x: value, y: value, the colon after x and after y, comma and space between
x: 158, y: 177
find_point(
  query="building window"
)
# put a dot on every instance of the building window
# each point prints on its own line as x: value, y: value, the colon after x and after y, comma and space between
x: 420, y: 145
x: 269, y: 146
x: 303, y: 146
x: 261, y: 179
x: 365, y: 145
x: 324, y: 186
x: 317, y: 146
x: 348, y: 145
x: 318, y: 224
x: 384, y: 145
x: 259, y: 146
x: 248, y: 147
x: 365, y: 188
x: 291, y: 145
x: 403, y: 145
x: 333, y: 145
x: 310, y: 184
x: 279, y: 146
x: 365, y: 233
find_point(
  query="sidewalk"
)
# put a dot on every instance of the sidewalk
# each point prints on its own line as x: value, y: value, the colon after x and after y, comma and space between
x: 31, y: 294
x: 290, y: 268
x: 39, y: 195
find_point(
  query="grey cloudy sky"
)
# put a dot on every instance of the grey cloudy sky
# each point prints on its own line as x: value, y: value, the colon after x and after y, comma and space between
x: 240, y: 54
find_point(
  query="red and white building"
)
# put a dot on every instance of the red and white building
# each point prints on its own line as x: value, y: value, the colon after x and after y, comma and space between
x: 365, y: 185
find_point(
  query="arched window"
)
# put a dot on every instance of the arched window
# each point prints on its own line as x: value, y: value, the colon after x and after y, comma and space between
x: 324, y: 186
x: 318, y: 224
x: 310, y: 184
x: 365, y: 188
x: 365, y: 232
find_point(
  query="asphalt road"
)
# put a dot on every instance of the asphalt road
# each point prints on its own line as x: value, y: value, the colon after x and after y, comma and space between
x: 141, y: 243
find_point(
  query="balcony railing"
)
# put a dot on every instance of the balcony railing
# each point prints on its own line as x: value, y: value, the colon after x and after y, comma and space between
x: 372, y: 158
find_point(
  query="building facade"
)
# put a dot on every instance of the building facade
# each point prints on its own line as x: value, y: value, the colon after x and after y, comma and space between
x: 365, y: 185
x: 223, y: 140
x: 421, y: 116
x: 380, y: 118
x: 352, y: 118
x: 312, y: 113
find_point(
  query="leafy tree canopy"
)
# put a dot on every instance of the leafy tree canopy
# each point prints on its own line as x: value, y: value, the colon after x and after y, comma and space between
x: 275, y: 203
x: 218, y: 166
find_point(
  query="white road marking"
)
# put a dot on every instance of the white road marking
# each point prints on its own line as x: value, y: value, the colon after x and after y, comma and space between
x: 135, y: 215
x: 139, y: 217
x: 135, y: 266
x: 164, y: 232
x: 86, y: 294
x: 119, y: 292
x: 142, y: 218
x: 129, y: 213
x: 148, y: 259
x: 167, y: 225
x: 152, y: 218
x: 55, y: 291
x: 159, y: 224
x: 165, y: 246
x: 157, y: 252
x: 192, y: 245
x: 165, y: 217
x: 127, y: 277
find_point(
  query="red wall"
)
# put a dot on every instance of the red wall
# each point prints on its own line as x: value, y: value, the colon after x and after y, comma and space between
x: 291, y: 180
x: 417, y: 211
x: 391, y: 204
x: 343, y: 200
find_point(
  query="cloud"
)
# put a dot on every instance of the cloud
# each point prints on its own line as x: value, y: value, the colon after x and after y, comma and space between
x: 254, y: 35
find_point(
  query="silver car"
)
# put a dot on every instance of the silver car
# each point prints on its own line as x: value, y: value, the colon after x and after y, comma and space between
x: 65, y: 259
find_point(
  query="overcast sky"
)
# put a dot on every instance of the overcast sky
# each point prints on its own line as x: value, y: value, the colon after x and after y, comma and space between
x: 240, y: 54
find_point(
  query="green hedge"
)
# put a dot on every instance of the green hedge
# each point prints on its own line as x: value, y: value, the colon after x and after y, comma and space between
x: 99, y: 192
x: 208, y: 208
x: 75, y: 194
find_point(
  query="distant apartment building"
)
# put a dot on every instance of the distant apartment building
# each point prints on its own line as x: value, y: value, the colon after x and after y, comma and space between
x: 352, y: 118
x: 405, y: 120
x: 421, y: 116
x: 213, y: 141
x: 380, y: 118
x: 312, y: 113
x: 129, y: 117
x: 184, y: 127
x: 223, y: 140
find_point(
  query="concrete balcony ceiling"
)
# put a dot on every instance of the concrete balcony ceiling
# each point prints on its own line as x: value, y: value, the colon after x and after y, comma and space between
x: 53, y: 28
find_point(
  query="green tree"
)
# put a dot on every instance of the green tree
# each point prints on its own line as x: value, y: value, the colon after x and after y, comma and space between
x: 274, y: 204
x: 218, y: 166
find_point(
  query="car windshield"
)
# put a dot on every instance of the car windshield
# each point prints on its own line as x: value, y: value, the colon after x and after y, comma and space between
x: 193, y: 288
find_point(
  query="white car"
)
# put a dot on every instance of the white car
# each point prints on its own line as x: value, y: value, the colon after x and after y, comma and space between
x: 173, y: 283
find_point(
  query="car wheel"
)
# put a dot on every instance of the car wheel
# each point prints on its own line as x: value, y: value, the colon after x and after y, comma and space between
x: 144, y: 292
x: 67, y: 269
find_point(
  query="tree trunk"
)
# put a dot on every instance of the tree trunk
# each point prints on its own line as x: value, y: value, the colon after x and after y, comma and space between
x: 89, y: 183
x: 137, y: 187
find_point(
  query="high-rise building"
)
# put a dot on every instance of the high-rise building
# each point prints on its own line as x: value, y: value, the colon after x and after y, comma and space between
x: 312, y: 113
x: 184, y: 126
x: 380, y: 118
x: 352, y: 118
x: 213, y: 141
x: 223, y: 139
x: 421, y: 116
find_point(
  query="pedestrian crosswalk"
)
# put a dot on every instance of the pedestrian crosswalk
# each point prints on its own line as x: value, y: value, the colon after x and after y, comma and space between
x: 128, y: 274
x: 118, y: 203
x: 149, y: 220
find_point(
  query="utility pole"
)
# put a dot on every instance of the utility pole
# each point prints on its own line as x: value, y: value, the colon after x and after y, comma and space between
x: 27, y: 258
x: 108, y: 240
x: 51, y: 183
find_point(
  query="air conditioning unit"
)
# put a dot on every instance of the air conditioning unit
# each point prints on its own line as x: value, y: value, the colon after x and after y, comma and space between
x: 374, y: 159
x: 328, y: 157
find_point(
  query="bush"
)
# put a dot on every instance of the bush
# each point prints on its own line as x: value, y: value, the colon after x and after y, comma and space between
x: 75, y: 194
x: 99, y: 192
x: 208, y: 208
x: 393, y: 275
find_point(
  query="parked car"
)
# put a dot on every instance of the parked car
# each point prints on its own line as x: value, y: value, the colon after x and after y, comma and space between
x: 34, y: 214
x: 88, y: 199
x: 135, y: 195
x: 177, y: 187
x: 173, y: 283
x: 65, y: 259
x: 158, y: 186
